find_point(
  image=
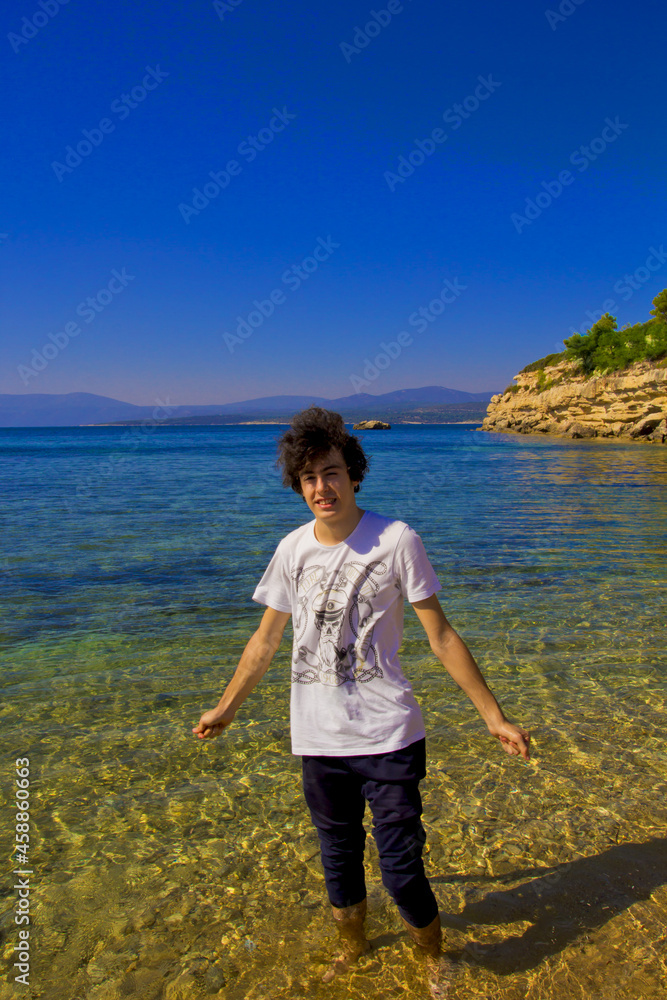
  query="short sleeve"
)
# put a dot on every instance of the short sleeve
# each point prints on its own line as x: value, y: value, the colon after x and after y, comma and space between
x: 274, y: 589
x: 413, y: 569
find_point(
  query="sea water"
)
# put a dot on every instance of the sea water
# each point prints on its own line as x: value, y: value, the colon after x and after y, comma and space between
x: 162, y: 866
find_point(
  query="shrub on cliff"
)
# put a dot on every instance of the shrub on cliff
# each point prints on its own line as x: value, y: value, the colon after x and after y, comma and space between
x: 550, y: 359
x: 605, y: 348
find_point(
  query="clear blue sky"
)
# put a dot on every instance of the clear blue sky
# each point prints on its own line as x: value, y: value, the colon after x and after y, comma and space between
x: 218, y: 76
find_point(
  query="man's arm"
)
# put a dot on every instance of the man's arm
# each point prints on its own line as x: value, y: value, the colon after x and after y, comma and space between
x: 456, y: 658
x: 254, y: 663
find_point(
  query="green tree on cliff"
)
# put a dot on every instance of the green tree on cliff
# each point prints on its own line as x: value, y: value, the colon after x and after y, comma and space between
x: 660, y: 306
x: 600, y: 340
x: 605, y: 348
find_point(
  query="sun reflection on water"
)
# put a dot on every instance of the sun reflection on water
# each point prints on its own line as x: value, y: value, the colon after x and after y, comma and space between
x: 169, y: 868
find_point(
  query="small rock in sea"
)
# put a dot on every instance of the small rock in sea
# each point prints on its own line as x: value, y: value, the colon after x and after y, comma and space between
x: 371, y: 425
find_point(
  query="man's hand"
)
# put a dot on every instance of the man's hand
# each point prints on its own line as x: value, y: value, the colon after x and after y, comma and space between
x: 212, y: 723
x: 253, y: 664
x: 457, y: 659
x: 514, y: 741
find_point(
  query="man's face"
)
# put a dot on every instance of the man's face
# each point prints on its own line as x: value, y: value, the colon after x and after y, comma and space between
x: 327, y: 488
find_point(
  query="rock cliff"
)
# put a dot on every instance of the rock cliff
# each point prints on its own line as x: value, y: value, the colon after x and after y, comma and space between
x: 561, y: 400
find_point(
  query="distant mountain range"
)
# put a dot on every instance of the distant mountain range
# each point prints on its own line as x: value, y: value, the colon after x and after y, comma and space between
x: 74, y: 409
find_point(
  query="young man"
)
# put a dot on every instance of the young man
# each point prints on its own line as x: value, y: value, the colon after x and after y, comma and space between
x: 342, y: 577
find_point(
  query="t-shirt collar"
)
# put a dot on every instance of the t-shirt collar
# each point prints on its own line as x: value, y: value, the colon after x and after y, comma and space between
x: 345, y: 541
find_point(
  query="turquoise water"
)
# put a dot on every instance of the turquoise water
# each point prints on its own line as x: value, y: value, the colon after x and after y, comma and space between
x: 167, y: 867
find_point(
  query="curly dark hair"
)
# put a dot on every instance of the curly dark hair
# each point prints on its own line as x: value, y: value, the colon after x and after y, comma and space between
x: 311, y: 435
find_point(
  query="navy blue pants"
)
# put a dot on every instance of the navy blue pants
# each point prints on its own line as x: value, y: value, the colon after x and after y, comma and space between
x: 336, y: 791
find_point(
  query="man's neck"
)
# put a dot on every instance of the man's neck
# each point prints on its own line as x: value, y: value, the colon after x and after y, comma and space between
x: 332, y: 534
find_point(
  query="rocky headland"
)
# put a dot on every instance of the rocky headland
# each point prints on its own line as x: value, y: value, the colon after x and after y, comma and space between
x: 560, y: 399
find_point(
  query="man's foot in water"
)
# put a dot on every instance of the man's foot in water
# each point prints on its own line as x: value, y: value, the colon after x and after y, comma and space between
x: 350, y: 921
x: 429, y: 942
x: 343, y: 961
x: 439, y: 971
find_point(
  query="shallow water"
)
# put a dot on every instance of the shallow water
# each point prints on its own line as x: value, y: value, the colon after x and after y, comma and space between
x: 166, y: 867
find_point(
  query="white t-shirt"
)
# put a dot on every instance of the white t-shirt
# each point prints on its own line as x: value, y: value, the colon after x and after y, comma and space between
x: 349, y: 695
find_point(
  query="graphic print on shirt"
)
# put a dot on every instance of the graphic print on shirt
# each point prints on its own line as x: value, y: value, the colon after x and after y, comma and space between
x: 337, y: 603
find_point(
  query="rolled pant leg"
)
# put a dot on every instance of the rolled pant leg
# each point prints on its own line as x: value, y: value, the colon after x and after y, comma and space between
x: 392, y: 790
x: 333, y: 795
